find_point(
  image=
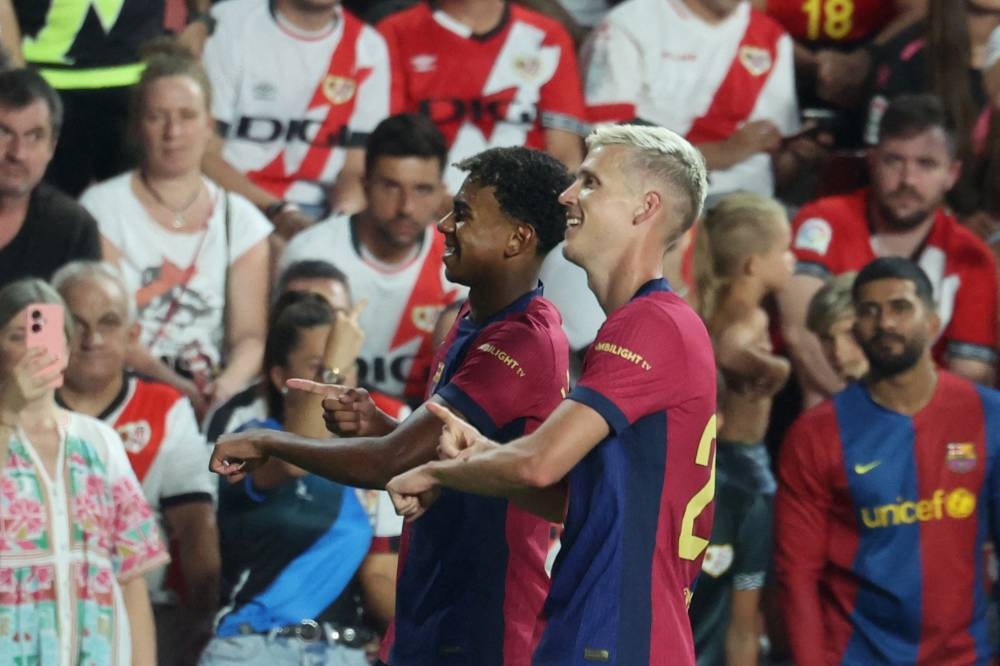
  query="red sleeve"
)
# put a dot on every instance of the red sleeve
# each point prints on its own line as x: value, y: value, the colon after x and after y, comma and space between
x: 504, y: 376
x: 561, y: 98
x: 812, y: 241
x: 643, y: 361
x: 801, y: 518
x: 398, y: 102
x: 973, y: 324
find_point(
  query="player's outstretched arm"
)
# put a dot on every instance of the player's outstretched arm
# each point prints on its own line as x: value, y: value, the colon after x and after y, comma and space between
x: 535, y: 462
x: 348, y: 411
x: 363, y: 462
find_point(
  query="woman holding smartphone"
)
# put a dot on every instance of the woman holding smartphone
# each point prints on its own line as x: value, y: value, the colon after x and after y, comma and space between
x: 76, y: 534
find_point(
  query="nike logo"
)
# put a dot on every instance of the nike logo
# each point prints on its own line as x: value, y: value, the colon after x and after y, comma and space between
x: 864, y: 469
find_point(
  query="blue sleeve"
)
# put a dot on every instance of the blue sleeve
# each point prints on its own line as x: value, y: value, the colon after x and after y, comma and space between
x: 314, y: 579
x: 991, y: 416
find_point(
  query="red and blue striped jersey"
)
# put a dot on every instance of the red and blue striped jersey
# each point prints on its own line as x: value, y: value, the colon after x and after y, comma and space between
x: 640, y: 503
x: 880, y: 523
x: 472, y: 577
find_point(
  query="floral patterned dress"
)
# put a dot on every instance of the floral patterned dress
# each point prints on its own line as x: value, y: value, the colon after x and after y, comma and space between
x: 66, y: 545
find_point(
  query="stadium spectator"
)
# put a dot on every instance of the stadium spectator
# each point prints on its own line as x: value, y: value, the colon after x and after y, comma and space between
x: 944, y: 55
x: 294, y: 117
x: 838, y: 45
x: 887, y: 493
x: 392, y: 255
x: 830, y: 317
x: 725, y: 613
x: 631, y: 449
x: 742, y: 257
x: 488, y: 74
x: 718, y: 72
x: 76, y: 534
x: 292, y: 542
x: 194, y: 256
x: 40, y: 228
x: 901, y: 214
x: 315, y: 276
x: 167, y: 453
x: 90, y: 54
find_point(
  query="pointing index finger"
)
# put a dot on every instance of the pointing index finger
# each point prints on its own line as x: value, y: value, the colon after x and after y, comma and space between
x: 358, y: 308
x: 443, y: 413
x: 309, y: 386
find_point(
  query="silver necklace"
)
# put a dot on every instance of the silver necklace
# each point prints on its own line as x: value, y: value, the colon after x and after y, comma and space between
x: 178, y: 213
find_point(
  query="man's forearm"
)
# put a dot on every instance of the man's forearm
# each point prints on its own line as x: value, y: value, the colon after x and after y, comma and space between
x: 10, y: 33
x: 720, y: 155
x: 803, y: 618
x: 226, y: 176
x: 501, y: 471
x: 362, y: 462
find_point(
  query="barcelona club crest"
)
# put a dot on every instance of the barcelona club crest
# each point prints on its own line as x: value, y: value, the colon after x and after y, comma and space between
x: 961, y: 457
x: 756, y: 60
x: 338, y: 89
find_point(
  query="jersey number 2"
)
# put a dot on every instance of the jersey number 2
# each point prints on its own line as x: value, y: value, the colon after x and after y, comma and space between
x: 690, y: 546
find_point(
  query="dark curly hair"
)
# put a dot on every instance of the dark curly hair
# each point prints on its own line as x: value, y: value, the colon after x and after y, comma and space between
x: 527, y: 184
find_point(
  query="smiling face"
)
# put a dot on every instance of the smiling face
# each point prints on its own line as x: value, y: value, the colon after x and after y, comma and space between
x: 599, y: 206
x: 476, y: 235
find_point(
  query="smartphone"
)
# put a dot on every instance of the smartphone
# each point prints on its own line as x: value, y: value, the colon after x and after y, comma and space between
x: 44, y: 327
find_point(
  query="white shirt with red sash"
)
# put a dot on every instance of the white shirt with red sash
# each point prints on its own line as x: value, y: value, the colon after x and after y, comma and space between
x: 656, y: 61
x: 167, y: 453
x: 289, y: 103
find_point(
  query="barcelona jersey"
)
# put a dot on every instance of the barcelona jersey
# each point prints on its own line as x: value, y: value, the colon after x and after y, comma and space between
x: 472, y: 577
x: 640, y: 503
x: 880, y: 523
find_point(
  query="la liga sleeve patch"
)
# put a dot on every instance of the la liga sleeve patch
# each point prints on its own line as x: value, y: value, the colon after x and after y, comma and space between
x: 814, y: 235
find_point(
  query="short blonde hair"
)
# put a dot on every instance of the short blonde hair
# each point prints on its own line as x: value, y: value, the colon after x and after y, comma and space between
x: 665, y: 156
x: 831, y: 303
x: 740, y: 225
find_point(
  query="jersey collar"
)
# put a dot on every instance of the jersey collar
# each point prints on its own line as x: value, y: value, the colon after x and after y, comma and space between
x: 654, y: 285
x: 450, y: 24
x: 116, y: 402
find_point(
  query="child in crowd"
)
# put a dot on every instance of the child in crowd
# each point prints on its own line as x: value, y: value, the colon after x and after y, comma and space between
x: 742, y: 255
x: 725, y: 608
x: 831, y: 318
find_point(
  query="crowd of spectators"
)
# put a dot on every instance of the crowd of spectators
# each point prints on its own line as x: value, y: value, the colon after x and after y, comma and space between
x: 249, y: 195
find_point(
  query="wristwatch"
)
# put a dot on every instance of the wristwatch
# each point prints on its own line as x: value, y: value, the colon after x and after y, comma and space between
x: 203, y: 17
x: 333, y: 376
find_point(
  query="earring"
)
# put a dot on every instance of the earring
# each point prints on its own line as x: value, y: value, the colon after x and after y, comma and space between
x: 284, y: 390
